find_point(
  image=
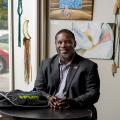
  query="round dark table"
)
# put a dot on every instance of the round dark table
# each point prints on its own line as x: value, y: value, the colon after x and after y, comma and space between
x: 45, y: 113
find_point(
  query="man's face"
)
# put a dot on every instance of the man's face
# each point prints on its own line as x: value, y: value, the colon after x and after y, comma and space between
x: 65, y: 46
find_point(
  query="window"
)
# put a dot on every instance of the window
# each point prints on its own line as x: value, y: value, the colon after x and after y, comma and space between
x: 4, y: 46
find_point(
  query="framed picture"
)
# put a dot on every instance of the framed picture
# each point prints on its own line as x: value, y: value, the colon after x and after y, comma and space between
x: 71, y: 9
x: 94, y: 40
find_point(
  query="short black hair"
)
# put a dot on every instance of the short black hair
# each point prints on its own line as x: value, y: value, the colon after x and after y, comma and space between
x: 70, y: 33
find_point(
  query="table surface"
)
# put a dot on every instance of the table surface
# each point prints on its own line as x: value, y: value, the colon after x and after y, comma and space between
x: 46, y: 113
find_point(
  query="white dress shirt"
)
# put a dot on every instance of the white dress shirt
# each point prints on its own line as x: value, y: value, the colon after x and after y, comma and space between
x: 64, y: 68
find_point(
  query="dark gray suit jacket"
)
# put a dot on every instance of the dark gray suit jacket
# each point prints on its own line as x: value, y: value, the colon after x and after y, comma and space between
x: 83, y: 84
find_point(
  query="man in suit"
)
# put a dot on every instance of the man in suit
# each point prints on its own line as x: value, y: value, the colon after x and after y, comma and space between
x: 68, y: 80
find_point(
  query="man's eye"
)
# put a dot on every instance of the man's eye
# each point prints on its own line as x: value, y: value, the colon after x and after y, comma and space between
x: 59, y: 42
x: 68, y: 42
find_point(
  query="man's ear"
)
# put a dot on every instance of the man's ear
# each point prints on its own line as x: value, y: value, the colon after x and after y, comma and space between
x: 74, y: 43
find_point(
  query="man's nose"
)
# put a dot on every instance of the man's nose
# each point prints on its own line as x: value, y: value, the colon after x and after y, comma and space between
x: 63, y: 44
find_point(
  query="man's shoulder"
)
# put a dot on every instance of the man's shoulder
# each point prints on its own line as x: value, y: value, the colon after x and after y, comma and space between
x: 86, y: 61
x: 51, y: 59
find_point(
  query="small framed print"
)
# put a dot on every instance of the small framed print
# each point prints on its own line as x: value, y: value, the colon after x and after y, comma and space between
x: 71, y: 9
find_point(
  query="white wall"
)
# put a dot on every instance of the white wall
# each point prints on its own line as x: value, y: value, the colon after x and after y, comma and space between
x: 29, y: 13
x: 108, y: 106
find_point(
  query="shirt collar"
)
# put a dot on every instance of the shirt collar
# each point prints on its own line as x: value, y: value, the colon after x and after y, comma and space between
x: 65, y: 64
x: 68, y: 62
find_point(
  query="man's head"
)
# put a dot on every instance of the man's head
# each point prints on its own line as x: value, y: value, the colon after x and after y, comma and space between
x: 65, y: 44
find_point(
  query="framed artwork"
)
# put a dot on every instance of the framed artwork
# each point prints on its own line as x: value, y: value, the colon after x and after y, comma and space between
x: 71, y: 9
x: 93, y: 39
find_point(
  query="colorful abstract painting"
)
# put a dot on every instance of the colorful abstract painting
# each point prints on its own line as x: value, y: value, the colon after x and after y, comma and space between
x: 71, y: 4
x: 94, y: 40
x: 71, y: 9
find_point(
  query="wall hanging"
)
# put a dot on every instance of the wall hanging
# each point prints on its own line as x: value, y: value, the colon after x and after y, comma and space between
x: 71, y: 9
x: 19, y: 11
x: 116, y: 58
x: 94, y: 40
x: 27, y: 53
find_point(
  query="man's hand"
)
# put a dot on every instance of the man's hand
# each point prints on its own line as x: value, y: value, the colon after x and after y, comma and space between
x: 56, y: 103
x: 67, y: 103
x: 53, y: 102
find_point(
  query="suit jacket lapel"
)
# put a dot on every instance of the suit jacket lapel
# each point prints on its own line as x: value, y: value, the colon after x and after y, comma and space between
x: 73, y: 69
x: 71, y: 74
x: 55, y: 73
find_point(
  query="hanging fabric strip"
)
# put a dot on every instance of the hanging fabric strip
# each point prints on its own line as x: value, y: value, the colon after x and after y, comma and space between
x: 116, y: 57
x: 114, y: 65
x: 19, y: 11
x: 27, y: 53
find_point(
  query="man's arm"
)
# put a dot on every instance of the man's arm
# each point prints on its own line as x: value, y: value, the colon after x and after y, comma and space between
x: 92, y: 92
x: 92, y: 88
x: 41, y: 82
